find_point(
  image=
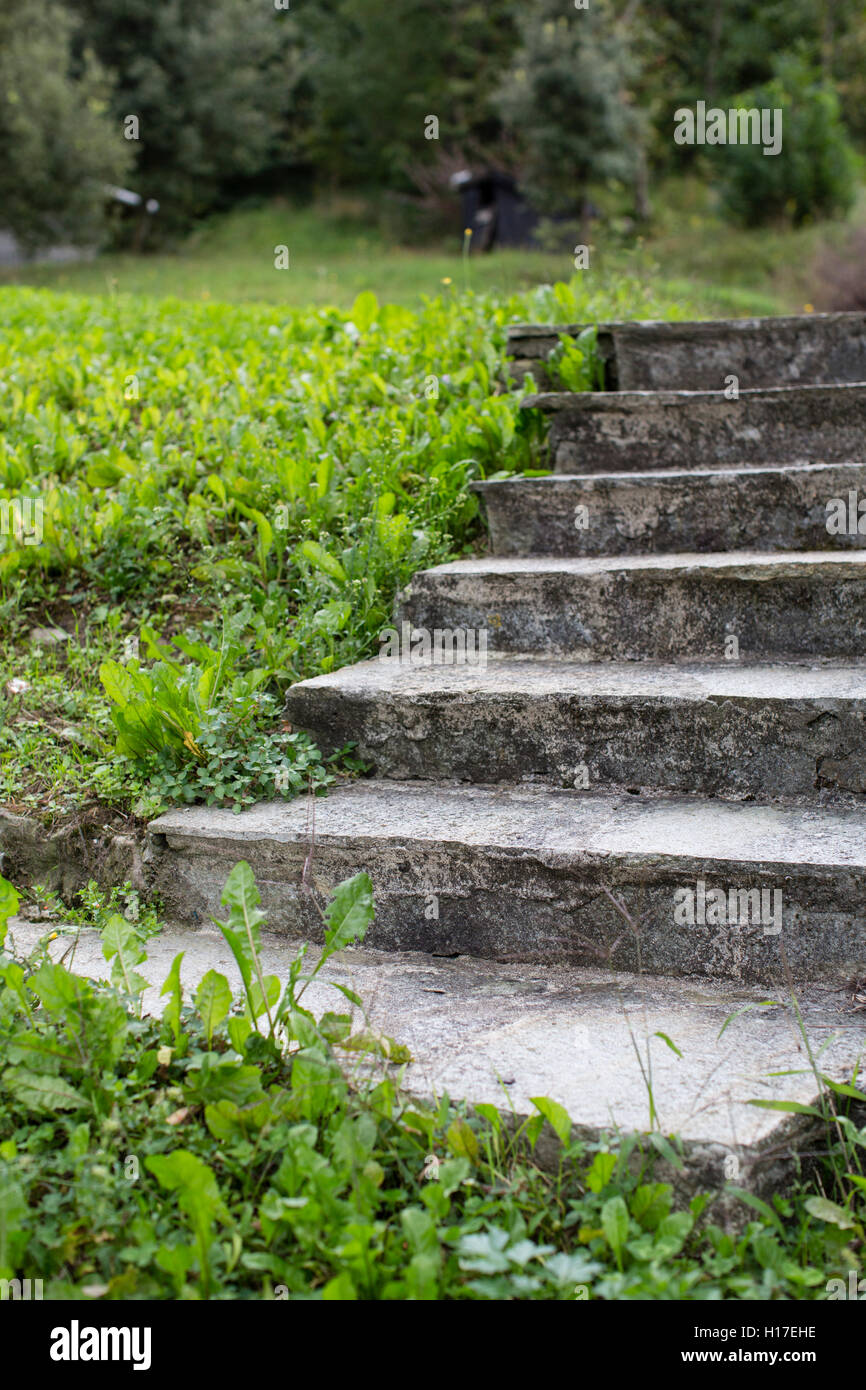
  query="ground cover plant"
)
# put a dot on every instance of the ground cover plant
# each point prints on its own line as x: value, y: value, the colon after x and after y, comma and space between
x: 228, y: 499
x: 230, y: 1148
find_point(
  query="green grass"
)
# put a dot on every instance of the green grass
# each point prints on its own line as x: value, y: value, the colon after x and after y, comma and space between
x: 252, y: 478
x: 331, y: 261
x: 336, y: 255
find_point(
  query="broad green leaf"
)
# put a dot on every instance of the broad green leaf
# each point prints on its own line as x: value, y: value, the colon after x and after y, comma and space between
x: 260, y: 1002
x: 490, y: 1114
x: 198, y: 1194
x: 340, y: 1289
x: 600, y: 1171
x: 462, y: 1141
x: 14, y: 1213
x: 240, y: 1029
x: 116, y: 682
x: 614, y: 1223
x: 824, y: 1210
x: 320, y: 559
x: 349, y: 912
x: 39, y: 1092
x: 365, y: 310
x: 121, y: 946
x: 213, y: 1001
x: 172, y: 987
x: 58, y: 989
x: 333, y: 617
x: 8, y: 906
x: 557, y: 1117
x: 335, y: 1027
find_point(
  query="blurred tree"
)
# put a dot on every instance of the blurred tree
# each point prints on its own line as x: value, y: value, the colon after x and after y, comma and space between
x: 376, y: 73
x: 814, y: 174
x: 58, y: 146
x: 691, y: 53
x: 210, y: 82
x: 567, y: 98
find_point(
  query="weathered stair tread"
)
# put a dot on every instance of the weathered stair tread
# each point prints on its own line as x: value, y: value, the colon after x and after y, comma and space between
x: 740, y: 562
x: 522, y: 873
x: 474, y: 1025
x: 806, y: 395
x: 763, y: 508
x: 676, y: 607
x: 554, y: 822
x: 653, y: 354
x: 772, y: 731
x: 528, y: 675
x: 615, y: 431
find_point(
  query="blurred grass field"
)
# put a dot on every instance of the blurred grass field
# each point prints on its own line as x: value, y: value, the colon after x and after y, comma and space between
x: 337, y: 252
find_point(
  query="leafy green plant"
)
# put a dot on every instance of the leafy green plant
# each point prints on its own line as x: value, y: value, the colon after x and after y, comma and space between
x: 236, y: 1149
x: 202, y: 736
x: 575, y: 364
x: 94, y: 906
x: 250, y: 515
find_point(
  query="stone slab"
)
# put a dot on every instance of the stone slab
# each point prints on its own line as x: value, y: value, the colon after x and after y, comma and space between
x: 654, y: 607
x: 525, y: 873
x: 701, y: 510
x: 633, y: 431
x: 773, y: 731
x: 658, y: 355
x: 481, y: 1032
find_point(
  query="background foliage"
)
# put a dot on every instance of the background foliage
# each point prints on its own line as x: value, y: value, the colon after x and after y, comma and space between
x: 235, y: 100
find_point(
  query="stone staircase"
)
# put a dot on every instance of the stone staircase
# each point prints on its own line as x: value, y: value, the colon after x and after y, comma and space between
x: 655, y: 778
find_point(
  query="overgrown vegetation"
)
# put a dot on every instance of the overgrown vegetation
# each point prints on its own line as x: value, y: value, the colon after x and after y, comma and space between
x: 229, y: 1150
x: 578, y: 102
x: 815, y: 173
x: 229, y: 499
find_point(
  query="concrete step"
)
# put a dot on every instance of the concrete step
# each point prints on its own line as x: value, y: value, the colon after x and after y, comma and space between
x: 659, y: 356
x: 771, y: 732
x: 483, y: 1032
x: 526, y: 873
x: 657, y: 607
x: 633, y: 431
x: 660, y: 513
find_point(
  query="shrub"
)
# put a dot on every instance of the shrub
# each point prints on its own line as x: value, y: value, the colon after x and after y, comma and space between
x: 58, y: 145
x: 814, y: 173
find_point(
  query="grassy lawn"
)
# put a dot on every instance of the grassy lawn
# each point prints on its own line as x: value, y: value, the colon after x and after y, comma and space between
x: 335, y: 257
